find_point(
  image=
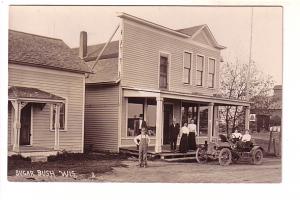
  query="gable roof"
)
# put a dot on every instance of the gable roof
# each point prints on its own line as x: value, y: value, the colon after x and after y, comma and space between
x: 40, y: 51
x: 185, y: 32
x: 111, y: 51
x: 16, y: 92
x: 190, y: 30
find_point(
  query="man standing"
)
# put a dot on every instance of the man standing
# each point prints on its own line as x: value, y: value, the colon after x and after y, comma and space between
x: 174, y: 131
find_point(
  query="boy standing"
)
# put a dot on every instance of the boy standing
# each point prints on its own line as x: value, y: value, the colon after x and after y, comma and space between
x: 143, y: 143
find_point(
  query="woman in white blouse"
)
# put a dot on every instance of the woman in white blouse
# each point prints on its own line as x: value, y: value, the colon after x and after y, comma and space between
x: 183, y: 147
x: 192, y: 135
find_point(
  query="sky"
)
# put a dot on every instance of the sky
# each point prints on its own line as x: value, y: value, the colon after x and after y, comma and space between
x: 229, y: 25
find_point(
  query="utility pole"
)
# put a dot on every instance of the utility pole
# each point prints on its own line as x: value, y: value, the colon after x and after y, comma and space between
x: 250, y: 58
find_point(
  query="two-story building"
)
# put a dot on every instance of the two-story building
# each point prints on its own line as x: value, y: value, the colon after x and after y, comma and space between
x: 46, y: 92
x: 154, y: 72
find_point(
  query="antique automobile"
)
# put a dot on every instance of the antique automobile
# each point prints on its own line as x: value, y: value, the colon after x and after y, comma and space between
x: 228, y: 151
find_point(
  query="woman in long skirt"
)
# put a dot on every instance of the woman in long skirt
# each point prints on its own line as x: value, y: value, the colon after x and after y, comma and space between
x: 183, y: 147
x: 192, y: 135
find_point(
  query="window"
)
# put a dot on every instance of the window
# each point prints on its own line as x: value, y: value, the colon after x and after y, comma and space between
x: 203, y: 122
x: 151, y: 116
x: 62, y: 117
x: 199, y: 75
x: 135, y: 112
x: 211, y: 73
x: 163, y: 77
x: 189, y: 111
x: 138, y: 110
x: 187, y: 65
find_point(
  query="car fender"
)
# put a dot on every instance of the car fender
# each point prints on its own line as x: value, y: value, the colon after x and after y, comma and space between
x: 256, y: 147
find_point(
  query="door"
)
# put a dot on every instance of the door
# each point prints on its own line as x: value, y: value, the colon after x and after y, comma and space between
x: 168, y: 117
x: 25, y: 132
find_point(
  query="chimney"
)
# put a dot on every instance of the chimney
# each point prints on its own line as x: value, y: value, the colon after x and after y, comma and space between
x: 83, y: 44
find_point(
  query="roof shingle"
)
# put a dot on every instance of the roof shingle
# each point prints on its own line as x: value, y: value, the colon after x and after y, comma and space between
x: 29, y: 49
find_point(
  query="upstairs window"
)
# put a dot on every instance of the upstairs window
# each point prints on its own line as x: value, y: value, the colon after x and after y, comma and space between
x: 163, y: 75
x: 211, y: 72
x: 187, y: 65
x: 199, y: 72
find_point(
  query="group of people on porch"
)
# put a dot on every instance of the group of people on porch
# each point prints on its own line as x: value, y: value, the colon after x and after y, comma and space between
x: 187, y: 134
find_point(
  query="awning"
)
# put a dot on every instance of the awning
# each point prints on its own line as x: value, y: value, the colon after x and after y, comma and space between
x: 27, y: 94
x: 218, y: 101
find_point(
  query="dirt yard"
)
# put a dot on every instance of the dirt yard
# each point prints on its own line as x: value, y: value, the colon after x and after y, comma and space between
x: 127, y: 170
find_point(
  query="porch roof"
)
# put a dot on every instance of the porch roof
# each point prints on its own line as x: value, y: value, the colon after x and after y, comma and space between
x: 221, y: 101
x: 32, y: 95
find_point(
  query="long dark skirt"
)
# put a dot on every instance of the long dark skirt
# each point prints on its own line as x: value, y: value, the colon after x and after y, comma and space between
x: 192, y: 141
x: 183, y: 147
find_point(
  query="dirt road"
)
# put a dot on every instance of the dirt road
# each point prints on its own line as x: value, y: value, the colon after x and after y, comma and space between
x: 164, y: 172
x: 159, y: 171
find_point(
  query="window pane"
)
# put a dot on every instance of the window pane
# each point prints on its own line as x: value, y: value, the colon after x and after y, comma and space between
x: 163, y: 72
x: 211, y: 66
x: 199, y: 77
x: 210, y: 80
x: 187, y: 60
x: 203, y: 122
x: 187, y: 75
x: 62, y: 117
x: 200, y: 63
x: 151, y: 119
x: 134, y: 111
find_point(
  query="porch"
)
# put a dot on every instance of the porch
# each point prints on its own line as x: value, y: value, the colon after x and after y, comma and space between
x: 21, y: 118
x: 166, y: 154
x: 159, y: 108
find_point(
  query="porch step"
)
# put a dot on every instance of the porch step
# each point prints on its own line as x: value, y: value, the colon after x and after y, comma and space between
x: 177, y: 155
x: 180, y: 159
x: 39, y: 158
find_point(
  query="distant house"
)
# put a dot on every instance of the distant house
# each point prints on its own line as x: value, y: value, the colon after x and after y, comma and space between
x: 154, y: 72
x: 271, y: 115
x: 46, y: 95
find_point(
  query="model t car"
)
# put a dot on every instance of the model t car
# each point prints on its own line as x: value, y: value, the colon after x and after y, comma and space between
x: 228, y: 151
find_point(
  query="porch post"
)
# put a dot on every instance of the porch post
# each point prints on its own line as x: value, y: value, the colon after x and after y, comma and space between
x: 216, y: 121
x: 17, y: 125
x: 56, y: 126
x: 210, y: 120
x: 145, y: 109
x: 159, y: 124
x: 247, y: 117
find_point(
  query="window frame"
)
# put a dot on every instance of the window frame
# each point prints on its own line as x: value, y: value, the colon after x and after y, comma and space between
x: 214, y: 74
x: 168, y: 56
x: 66, y: 117
x: 197, y: 70
x: 191, y: 68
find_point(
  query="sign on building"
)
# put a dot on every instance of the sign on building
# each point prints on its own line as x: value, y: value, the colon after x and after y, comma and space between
x: 252, y: 118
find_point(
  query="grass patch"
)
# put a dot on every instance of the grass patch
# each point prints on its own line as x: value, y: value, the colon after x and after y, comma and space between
x: 80, y: 163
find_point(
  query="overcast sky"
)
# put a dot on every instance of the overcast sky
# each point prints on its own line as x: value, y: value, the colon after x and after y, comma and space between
x: 229, y: 25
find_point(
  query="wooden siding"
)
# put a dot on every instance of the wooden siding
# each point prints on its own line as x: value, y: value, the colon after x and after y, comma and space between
x: 65, y: 84
x: 101, y: 117
x: 141, y: 48
x: 201, y: 38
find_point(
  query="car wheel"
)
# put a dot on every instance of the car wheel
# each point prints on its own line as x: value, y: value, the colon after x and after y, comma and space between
x: 201, y: 155
x: 225, y: 157
x: 257, y: 157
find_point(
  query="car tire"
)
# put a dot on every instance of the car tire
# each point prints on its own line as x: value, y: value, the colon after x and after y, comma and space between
x: 225, y: 157
x: 257, y: 157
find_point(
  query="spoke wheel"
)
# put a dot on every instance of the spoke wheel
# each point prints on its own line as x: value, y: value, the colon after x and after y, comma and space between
x: 225, y: 157
x: 201, y: 155
x: 257, y: 157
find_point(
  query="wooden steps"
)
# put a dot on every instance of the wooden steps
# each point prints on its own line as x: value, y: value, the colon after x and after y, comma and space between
x: 165, y: 156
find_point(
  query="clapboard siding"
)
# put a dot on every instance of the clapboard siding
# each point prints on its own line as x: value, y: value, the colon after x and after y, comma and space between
x: 66, y: 85
x: 141, y: 47
x: 101, y: 118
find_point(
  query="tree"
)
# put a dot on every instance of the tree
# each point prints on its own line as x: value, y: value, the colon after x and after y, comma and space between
x: 233, y: 85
